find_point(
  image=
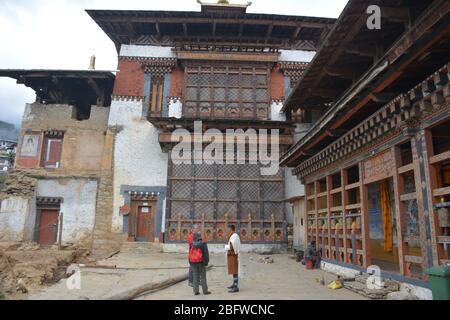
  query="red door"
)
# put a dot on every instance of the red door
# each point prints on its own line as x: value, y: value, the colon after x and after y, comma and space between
x: 144, y: 224
x: 48, y: 226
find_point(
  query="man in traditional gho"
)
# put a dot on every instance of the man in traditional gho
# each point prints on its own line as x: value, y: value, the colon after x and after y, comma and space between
x: 233, y: 248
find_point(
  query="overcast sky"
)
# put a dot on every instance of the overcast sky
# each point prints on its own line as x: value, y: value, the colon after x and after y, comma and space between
x: 58, y: 34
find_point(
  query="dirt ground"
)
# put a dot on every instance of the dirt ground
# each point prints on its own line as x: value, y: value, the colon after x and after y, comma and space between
x: 25, y: 268
x: 30, y: 272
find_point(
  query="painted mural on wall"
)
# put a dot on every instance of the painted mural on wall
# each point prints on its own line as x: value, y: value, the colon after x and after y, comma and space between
x: 30, y: 145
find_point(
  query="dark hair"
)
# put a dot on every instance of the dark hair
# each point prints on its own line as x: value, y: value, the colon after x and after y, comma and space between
x: 232, y: 227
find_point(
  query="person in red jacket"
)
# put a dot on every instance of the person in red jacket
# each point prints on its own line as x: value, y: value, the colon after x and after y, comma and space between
x: 190, y: 240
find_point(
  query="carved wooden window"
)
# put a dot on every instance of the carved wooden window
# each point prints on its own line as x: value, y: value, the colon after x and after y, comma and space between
x: 52, y: 149
x: 227, y: 91
x: 211, y: 194
x: 156, y: 95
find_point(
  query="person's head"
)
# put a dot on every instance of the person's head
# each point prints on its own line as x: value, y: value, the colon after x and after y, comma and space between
x: 195, y: 229
x: 231, y: 228
x: 197, y: 236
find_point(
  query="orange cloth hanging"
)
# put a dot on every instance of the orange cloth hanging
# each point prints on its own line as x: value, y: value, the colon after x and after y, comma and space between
x: 386, y: 213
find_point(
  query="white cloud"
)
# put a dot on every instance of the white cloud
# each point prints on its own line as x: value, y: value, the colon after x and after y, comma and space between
x: 59, y: 34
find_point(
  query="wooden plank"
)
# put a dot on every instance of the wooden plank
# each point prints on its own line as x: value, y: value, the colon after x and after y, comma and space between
x: 405, y: 169
x: 353, y: 206
x: 414, y: 259
x: 353, y: 186
x: 440, y: 157
x: 337, y: 209
x: 408, y: 196
x: 337, y: 190
x: 444, y: 239
x: 323, y: 194
x: 441, y: 192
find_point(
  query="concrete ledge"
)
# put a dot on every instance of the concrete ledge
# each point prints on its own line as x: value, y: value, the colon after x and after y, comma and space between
x: 219, y: 248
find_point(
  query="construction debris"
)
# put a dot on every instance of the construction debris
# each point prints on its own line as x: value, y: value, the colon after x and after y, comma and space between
x: 133, y: 293
x: 26, y: 267
x: 266, y: 260
x: 360, y: 285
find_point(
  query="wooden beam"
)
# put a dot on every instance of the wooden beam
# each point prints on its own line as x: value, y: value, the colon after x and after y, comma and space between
x: 296, y: 33
x: 396, y: 14
x: 158, y: 30
x: 364, y: 51
x: 344, y: 73
x: 383, y: 97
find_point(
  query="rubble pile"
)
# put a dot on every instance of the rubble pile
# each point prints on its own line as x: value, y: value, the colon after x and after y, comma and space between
x: 359, y: 284
x: 26, y: 267
x: 18, y: 184
x: 266, y: 260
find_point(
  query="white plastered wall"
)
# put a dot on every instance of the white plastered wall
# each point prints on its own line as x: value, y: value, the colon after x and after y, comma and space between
x: 138, y: 158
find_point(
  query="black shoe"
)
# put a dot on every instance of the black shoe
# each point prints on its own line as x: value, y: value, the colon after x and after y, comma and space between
x: 234, y: 290
x: 231, y: 287
x: 207, y: 293
x: 197, y: 294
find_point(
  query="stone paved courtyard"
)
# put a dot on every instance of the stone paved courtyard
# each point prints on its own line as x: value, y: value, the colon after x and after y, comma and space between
x: 284, y: 279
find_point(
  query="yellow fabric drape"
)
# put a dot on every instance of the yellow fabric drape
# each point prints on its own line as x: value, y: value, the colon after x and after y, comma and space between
x: 386, y: 214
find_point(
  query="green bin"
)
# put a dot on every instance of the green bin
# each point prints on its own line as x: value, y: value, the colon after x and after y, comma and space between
x: 440, y: 282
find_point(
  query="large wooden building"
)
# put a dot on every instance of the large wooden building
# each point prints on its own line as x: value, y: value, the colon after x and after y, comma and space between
x: 222, y: 66
x: 376, y: 161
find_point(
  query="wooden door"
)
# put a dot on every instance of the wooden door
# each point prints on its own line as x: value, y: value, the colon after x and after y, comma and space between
x: 144, y: 223
x: 48, y: 227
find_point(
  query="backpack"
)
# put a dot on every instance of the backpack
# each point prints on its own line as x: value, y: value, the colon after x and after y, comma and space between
x: 195, y: 255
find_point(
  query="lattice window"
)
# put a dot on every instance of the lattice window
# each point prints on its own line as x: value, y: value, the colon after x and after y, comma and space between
x: 237, y: 88
x: 204, y: 209
x: 233, y: 192
x: 205, y: 170
x: 250, y: 170
x: 229, y: 171
x: 180, y: 210
x: 204, y: 189
x: 228, y: 208
x: 273, y: 208
x: 181, y: 189
x: 250, y: 208
x: 250, y: 191
x: 227, y: 190
x: 182, y: 170
x: 271, y: 191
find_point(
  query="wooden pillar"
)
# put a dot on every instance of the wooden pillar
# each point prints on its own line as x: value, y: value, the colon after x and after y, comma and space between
x: 316, y: 208
x: 399, y: 211
x: 421, y: 154
x: 364, y: 218
x: 329, y: 205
